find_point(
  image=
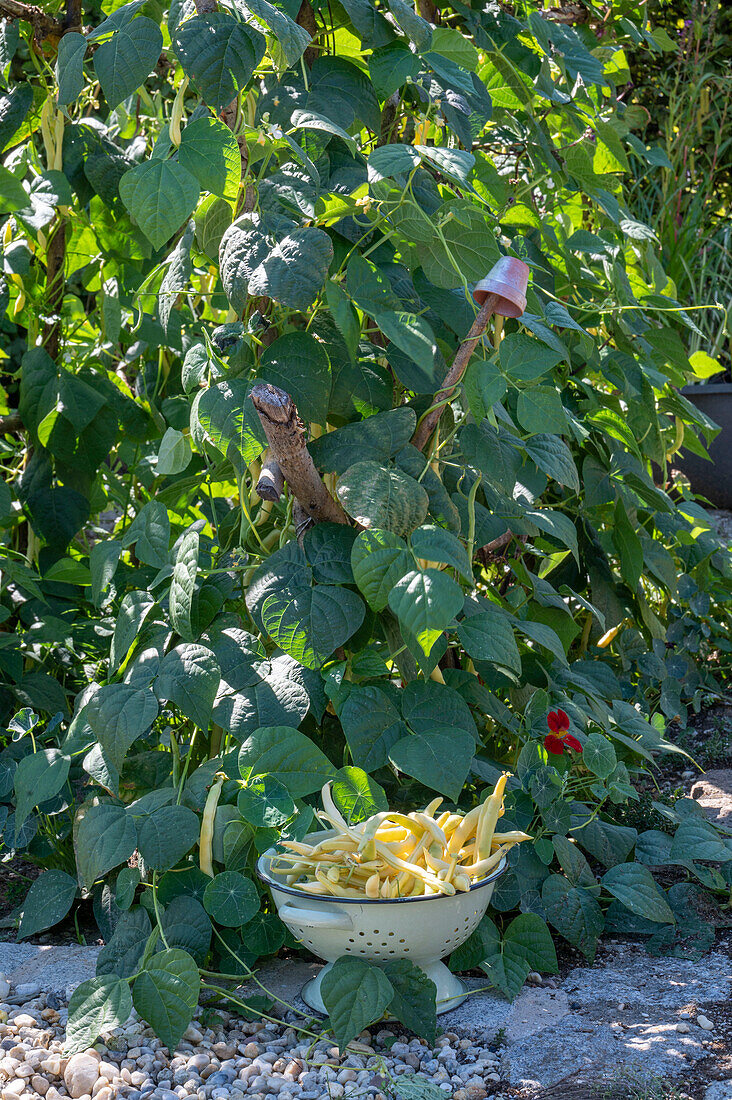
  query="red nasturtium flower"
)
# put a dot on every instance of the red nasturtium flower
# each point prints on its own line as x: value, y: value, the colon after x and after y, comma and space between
x: 555, y: 742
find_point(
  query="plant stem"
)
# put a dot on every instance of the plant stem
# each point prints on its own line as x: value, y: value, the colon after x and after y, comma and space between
x: 428, y: 422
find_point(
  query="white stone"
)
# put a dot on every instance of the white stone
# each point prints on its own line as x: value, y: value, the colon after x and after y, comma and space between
x: 705, y: 1023
x: 81, y: 1073
x: 683, y: 1028
x: 4, y: 986
x: 24, y: 1019
x: 55, y: 1065
x: 40, y: 1084
x: 13, y: 1090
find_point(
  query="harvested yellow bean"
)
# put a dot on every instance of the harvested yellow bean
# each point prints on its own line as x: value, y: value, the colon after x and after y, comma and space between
x: 373, y: 886
x: 397, y: 855
x: 432, y: 828
x: 489, y: 818
x: 464, y: 830
x: 485, y: 865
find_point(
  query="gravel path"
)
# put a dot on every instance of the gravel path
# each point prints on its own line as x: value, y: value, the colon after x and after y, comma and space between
x: 236, y: 1058
x: 630, y: 1014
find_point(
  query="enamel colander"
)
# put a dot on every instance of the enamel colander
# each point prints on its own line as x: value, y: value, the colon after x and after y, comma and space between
x: 423, y: 929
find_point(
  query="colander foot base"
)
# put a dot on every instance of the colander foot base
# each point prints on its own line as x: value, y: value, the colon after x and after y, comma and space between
x: 451, y: 991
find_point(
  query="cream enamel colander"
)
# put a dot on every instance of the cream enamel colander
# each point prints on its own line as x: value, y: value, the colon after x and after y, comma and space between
x: 423, y: 929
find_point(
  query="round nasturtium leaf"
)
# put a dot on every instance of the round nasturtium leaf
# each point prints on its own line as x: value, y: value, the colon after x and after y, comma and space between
x: 231, y: 899
x: 357, y: 795
x: 265, y: 803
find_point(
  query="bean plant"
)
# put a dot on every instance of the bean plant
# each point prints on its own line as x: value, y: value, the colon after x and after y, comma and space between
x: 240, y: 560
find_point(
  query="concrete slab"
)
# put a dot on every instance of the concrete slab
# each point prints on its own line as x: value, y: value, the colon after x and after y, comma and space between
x: 53, y: 968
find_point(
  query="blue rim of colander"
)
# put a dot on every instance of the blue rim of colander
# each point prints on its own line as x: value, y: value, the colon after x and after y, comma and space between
x: 270, y: 853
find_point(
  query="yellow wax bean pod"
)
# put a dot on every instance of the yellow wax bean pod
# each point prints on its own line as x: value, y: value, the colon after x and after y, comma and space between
x: 461, y: 882
x: 431, y: 807
x: 330, y: 807
x: 405, y: 882
x: 408, y: 822
x: 417, y: 853
x: 483, y: 866
x: 432, y: 828
x: 296, y: 846
x: 295, y: 873
x: 334, y: 889
x: 385, y: 890
x: 465, y: 829
x: 336, y: 844
x: 453, y: 822
x: 372, y: 826
x: 419, y: 872
x: 490, y: 813
x: 333, y: 874
x: 310, y: 887
x: 443, y: 819
x: 337, y: 823
x: 402, y: 850
x: 368, y: 852
x: 434, y: 863
x: 205, y: 840
x: 391, y: 833
x: 514, y: 837
x: 373, y: 886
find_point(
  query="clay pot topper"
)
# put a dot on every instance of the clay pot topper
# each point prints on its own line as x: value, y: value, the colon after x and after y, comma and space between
x: 507, y: 280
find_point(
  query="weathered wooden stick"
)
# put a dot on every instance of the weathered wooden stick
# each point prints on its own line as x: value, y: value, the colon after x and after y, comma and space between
x: 502, y: 291
x: 427, y: 425
x: 285, y: 433
x: 271, y: 481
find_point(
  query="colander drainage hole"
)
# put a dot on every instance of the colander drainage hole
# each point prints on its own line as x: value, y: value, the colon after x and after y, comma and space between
x: 362, y: 933
x: 402, y: 941
x: 351, y: 939
x: 390, y: 933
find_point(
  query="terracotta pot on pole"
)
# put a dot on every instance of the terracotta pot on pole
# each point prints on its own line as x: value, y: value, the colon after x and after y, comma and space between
x: 506, y: 281
x: 502, y: 291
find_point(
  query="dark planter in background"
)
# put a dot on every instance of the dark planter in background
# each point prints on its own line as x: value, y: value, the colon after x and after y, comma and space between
x: 712, y: 479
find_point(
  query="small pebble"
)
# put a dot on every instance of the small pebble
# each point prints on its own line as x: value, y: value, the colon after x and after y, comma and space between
x: 24, y: 1019
x: 705, y: 1023
x: 683, y: 1028
x: 27, y: 991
